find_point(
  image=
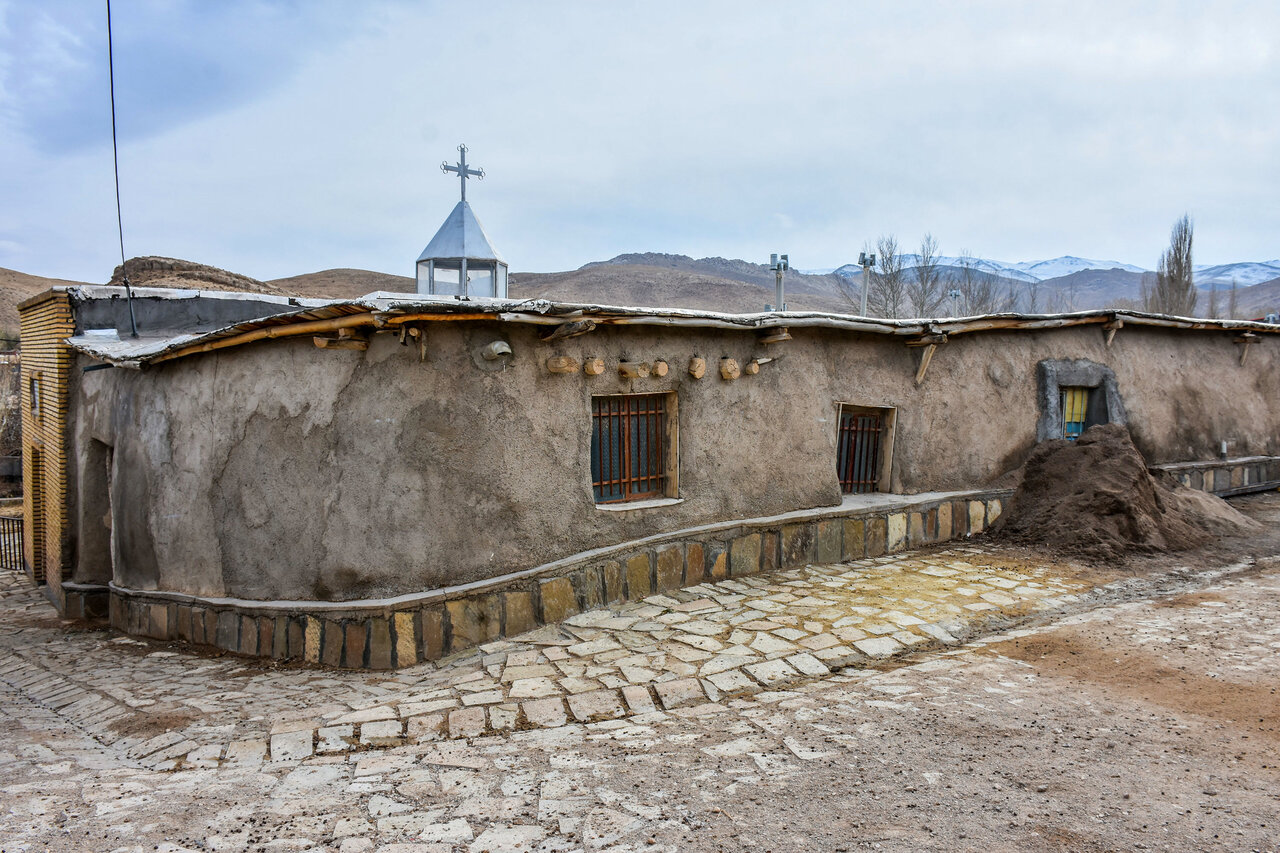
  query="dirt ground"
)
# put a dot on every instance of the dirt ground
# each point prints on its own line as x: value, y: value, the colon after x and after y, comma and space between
x: 1148, y: 720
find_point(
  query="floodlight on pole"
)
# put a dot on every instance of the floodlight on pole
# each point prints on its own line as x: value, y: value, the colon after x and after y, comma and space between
x: 867, y: 261
x: 779, y: 265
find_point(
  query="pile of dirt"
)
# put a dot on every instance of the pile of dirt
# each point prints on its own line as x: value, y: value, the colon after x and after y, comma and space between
x: 1095, y: 498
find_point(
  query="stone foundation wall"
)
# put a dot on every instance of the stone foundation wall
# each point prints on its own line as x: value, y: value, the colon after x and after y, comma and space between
x: 404, y: 631
x: 1227, y: 477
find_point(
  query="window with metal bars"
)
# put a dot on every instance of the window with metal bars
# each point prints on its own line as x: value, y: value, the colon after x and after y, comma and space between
x: 630, y: 447
x: 858, y: 449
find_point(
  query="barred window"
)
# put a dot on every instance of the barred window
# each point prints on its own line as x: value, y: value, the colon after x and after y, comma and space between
x: 631, y: 447
x: 858, y: 449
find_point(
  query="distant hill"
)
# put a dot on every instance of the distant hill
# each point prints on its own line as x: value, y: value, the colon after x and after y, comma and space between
x: 344, y: 283
x: 664, y: 280
x: 15, y: 287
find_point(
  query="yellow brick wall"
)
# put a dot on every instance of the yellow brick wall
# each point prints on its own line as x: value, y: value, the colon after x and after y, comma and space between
x: 46, y: 321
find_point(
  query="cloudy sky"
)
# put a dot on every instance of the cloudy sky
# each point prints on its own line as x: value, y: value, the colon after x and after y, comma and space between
x: 276, y: 138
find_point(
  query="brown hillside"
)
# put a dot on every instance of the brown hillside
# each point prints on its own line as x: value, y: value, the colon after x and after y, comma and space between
x: 626, y: 284
x: 343, y: 283
x: 14, y: 287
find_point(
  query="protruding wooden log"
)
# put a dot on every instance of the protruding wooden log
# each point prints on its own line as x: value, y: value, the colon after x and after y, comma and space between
x: 633, y: 369
x: 660, y: 368
x: 593, y: 366
x: 926, y: 356
x: 562, y: 364
x: 341, y: 343
x: 1245, y: 341
x: 752, y: 368
x: 697, y: 367
x: 776, y: 335
x: 1111, y: 327
x: 569, y: 330
x: 729, y: 368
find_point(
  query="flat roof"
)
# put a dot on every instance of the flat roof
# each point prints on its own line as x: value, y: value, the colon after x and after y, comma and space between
x: 384, y: 310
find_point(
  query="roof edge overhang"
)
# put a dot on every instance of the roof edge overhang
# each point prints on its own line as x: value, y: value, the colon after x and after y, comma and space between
x: 388, y: 311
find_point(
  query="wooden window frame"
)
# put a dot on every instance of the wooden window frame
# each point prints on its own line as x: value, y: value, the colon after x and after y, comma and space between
x: 884, y: 464
x: 665, y: 456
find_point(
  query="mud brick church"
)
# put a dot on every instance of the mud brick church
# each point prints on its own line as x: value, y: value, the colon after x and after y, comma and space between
x: 373, y: 482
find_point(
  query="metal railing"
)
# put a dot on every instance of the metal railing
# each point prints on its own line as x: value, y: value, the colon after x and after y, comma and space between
x: 10, y: 543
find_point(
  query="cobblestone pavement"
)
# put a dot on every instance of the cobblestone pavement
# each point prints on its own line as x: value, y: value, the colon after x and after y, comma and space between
x: 707, y: 719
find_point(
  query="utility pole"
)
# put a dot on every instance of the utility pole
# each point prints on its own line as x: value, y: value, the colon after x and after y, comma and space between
x: 867, y: 261
x: 779, y: 265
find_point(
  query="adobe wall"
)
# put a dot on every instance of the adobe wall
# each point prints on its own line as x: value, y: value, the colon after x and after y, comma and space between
x: 282, y: 471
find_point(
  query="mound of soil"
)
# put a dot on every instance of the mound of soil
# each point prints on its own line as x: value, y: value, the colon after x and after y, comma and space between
x: 1095, y: 498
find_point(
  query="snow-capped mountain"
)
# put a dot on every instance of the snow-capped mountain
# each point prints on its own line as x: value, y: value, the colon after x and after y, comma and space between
x: 1022, y: 271
x: 1067, y: 264
x: 1245, y: 274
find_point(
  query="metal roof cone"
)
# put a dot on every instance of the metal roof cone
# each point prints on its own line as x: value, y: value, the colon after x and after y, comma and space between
x: 461, y: 236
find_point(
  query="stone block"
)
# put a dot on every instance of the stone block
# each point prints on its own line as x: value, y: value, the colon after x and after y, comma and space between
x: 116, y: 613
x: 639, y: 582
x: 248, y: 636
x: 334, y: 738
x: 355, y: 637
x: 670, y: 573
x: 977, y: 515
x: 694, y: 563
x: 158, y: 621
x: 797, y: 545
x: 431, y: 630
x: 897, y: 532
x: 595, y: 705
x: 944, y: 522
x: 297, y: 637
x: 994, y: 508
x: 291, y: 746
x: 266, y: 634
x: 466, y: 722
x: 559, y: 601
x: 638, y: 699
x: 769, y: 551
x: 1237, y: 477
x: 545, y: 713
x: 474, y: 620
x: 332, y: 638
x: 717, y: 561
x: 227, y: 633
x: 679, y: 692
x: 183, y: 628
x: 382, y: 733
x: 915, y: 528
x: 828, y: 545
x: 614, y: 588
x: 855, y: 539
x: 279, y: 638
x: 878, y: 647
x: 425, y: 727
x: 772, y: 672
x: 380, y: 648
x: 406, y: 641
x: 877, y: 536
x: 744, y: 555
x: 311, y: 639
x: 517, y: 612
x: 959, y: 519
x: 590, y: 586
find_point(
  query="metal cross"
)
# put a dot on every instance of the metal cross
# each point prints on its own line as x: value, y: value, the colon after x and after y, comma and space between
x: 463, y: 170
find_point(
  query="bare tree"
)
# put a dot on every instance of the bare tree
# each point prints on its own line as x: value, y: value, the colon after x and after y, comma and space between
x: 979, y: 290
x: 1212, y: 310
x: 888, y: 283
x: 924, y: 291
x: 1033, y: 305
x: 1233, y: 301
x: 1174, y: 290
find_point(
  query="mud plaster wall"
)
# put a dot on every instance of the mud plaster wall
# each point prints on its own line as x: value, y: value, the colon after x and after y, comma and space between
x: 282, y: 471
